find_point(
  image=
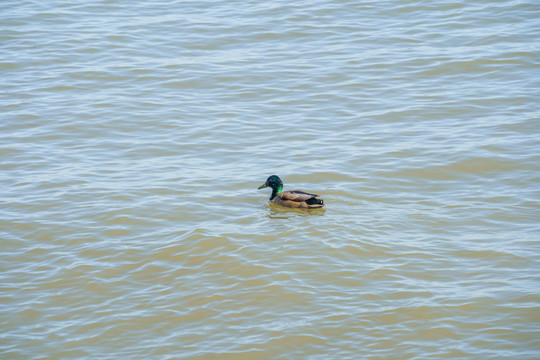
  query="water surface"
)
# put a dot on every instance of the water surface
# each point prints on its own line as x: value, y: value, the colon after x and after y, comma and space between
x: 134, y: 137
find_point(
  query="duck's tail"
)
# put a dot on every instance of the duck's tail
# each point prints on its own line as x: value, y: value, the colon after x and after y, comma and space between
x: 315, y: 202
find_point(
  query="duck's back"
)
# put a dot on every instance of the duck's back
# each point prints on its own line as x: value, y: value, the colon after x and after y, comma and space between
x: 298, y: 199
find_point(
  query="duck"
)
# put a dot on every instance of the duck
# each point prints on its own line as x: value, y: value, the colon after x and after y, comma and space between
x: 291, y: 198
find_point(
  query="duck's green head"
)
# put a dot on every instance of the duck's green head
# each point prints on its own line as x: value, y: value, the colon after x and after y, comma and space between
x: 275, y: 183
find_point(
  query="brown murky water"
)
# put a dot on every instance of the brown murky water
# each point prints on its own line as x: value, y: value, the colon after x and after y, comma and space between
x: 134, y: 137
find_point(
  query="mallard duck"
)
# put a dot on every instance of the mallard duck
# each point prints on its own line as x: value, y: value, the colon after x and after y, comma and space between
x: 290, y: 198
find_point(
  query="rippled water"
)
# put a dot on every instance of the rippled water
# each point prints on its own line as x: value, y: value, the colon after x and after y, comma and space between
x: 135, y: 135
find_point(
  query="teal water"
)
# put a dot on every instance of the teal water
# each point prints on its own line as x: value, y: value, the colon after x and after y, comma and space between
x: 135, y: 135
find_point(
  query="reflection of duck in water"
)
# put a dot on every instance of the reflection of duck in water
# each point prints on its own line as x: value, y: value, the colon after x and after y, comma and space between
x: 290, y: 198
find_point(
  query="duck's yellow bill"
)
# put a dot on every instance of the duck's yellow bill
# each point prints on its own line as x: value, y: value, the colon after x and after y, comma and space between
x: 262, y: 186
